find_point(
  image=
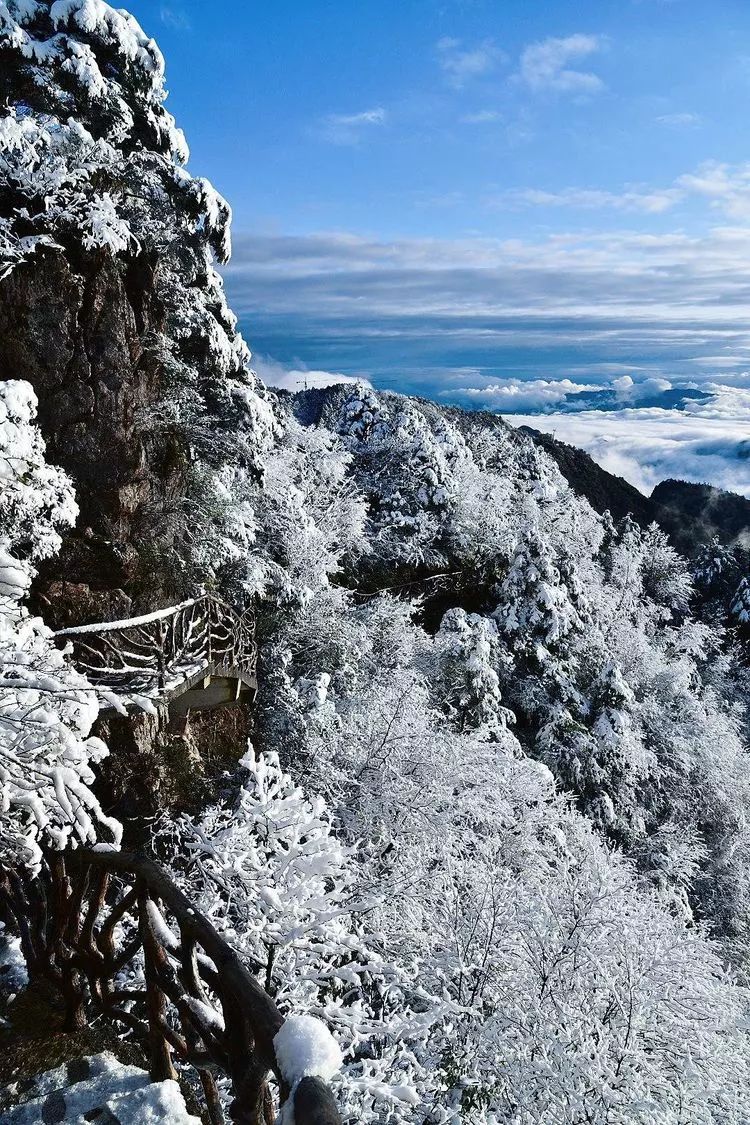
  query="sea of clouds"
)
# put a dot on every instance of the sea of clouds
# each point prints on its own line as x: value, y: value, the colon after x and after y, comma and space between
x: 702, y: 440
x: 634, y: 347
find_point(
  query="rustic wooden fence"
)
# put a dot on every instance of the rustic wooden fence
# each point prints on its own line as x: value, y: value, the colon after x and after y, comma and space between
x: 118, y: 939
x: 162, y: 653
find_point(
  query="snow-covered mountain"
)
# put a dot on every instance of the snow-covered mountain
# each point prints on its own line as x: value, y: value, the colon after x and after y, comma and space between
x: 494, y: 825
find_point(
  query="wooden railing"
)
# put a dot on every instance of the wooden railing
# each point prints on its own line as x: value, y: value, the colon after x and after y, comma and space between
x: 118, y: 939
x: 158, y: 653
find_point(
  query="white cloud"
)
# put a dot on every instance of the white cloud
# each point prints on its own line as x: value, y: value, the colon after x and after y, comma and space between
x: 606, y: 299
x: 514, y: 395
x: 461, y: 64
x: 679, y: 120
x: 544, y: 65
x: 686, y: 290
x: 651, y: 202
x: 175, y: 17
x: 719, y: 362
x: 726, y: 186
x: 708, y: 441
x: 629, y: 391
x: 285, y: 378
x: 348, y: 128
x: 482, y: 117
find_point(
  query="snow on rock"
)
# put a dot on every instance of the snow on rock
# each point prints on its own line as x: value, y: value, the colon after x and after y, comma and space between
x: 101, y: 1088
x: 159, y: 1103
x: 305, y: 1048
x: 13, y: 974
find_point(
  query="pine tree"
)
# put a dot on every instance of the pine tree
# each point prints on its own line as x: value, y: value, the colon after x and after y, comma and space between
x: 537, y: 610
x: 467, y: 650
x: 740, y: 608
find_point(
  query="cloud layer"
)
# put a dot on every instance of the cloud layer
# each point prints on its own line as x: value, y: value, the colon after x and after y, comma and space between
x: 634, y: 345
x: 653, y: 298
x: 706, y: 442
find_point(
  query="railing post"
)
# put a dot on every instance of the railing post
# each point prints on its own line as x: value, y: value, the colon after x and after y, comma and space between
x: 65, y: 934
x: 213, y: 1101
x: 160, y: 1064
x: 161, y: 664
x: 177, y: 1013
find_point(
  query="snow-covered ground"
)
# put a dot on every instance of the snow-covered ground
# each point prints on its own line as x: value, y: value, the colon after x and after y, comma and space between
x: 86, y: 1089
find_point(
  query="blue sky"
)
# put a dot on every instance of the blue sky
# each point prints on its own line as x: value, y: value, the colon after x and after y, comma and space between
x: 503, y: 203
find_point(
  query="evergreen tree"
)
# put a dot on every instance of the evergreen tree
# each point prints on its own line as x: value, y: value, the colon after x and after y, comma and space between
x: 467, y: 650
x: 740, y: 610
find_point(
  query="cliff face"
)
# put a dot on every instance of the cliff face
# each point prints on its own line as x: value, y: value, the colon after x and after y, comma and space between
x: 81, y: 332
x: 110, y: 306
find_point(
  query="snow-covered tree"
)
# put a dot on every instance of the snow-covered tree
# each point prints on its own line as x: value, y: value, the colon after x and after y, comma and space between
x: 270, y: 872
x: 538, y: 604
x: 277, y: 883
x: 467, y: 646
x: 740, y: 607
x: 46, y: 709
x: 411, y: 462
x: 307, y: 518
x: 665, y: 575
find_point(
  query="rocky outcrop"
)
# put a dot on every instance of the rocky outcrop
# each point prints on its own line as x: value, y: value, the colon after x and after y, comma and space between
x: 157, y: 765
x: 73, y: 603
x: 85, y: 334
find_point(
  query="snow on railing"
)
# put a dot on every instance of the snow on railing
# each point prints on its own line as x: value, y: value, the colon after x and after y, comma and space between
x: 120, y: 942
x: 152, y: 655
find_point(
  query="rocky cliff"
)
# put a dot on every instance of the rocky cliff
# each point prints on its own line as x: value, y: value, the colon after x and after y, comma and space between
x: 81, y: 331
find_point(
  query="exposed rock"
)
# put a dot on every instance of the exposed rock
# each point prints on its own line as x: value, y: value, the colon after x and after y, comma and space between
x: 75, y: 603
x: 156, y: 766
x: 82, y: 333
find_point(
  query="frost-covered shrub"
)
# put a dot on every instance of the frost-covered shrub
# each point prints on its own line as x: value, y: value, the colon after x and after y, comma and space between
x: 270, y: 873
x: 46, y: 708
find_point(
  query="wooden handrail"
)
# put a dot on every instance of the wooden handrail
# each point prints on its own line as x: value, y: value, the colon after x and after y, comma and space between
x: 152, y: 655
x: 94, y: 912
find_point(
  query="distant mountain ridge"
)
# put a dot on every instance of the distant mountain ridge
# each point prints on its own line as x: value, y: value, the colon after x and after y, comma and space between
x: 709, y: 511
x: 609, y: 398
x: 604, y: 491
x: 692, y: 514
